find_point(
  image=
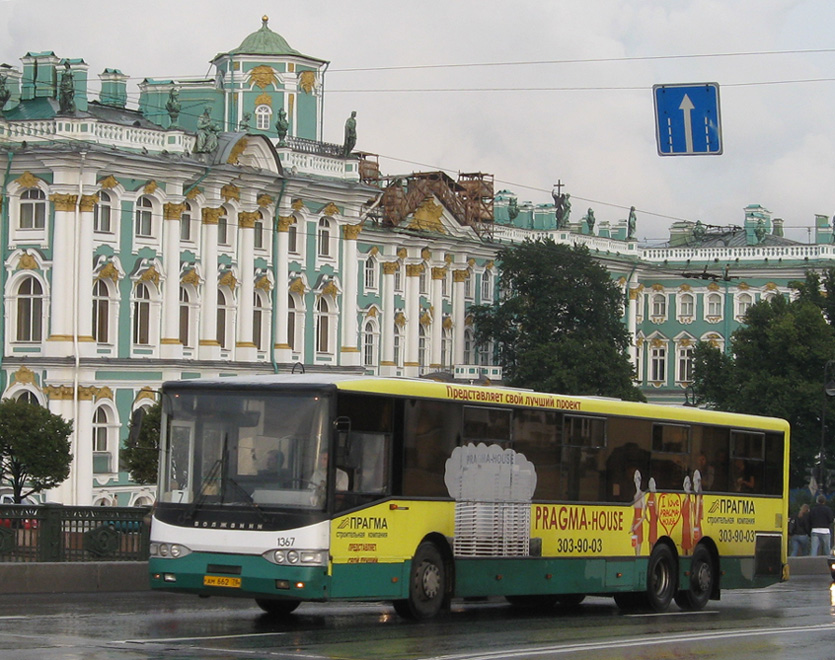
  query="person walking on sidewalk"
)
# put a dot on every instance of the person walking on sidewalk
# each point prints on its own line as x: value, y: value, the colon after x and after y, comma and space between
x: 820, y: 520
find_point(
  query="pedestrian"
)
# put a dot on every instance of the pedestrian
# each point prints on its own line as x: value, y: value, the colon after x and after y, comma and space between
x: 799, y: 531
x: 820, y: 520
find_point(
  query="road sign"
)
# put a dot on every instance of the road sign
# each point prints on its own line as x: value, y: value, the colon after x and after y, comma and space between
x: 687, y: 119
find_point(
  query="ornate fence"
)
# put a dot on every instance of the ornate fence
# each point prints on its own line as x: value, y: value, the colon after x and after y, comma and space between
x: 52, y: 532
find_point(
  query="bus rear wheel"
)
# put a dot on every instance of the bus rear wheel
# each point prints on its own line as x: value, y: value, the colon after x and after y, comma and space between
x: 661, y: 578
x: 277, y: 607
x: 427, y: 584
x: 702, y: 581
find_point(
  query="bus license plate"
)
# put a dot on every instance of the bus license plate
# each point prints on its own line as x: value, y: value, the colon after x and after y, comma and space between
x: 218, y: 581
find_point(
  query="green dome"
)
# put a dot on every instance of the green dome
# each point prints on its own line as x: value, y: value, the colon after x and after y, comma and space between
x: 264, y: 42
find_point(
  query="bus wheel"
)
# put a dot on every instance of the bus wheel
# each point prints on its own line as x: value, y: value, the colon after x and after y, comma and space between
x: 570, y: 600
x: 702, y: 581
x: 539, y: 601
x: 427, y: 584
x: 277, y: 607
x: 661, y: 578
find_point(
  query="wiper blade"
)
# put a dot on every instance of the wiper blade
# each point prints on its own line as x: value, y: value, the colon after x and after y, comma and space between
x: 201, y: 495
x: 241, y: 490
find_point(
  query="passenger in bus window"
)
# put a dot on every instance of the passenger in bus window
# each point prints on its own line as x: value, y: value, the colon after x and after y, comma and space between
x: 707, y: 471
x: 320, y: 475
x: 745, y: 482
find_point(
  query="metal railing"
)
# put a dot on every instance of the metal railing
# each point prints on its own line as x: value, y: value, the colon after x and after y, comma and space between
x: 56, y: 533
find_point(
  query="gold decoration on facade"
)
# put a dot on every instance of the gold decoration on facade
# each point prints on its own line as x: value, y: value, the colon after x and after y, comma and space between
x: 460, y: 275
x: 108, y: 272
x: 390, y: 267
x: 713, y: 286
x: 27, y: 262
x: 103, y: 393
x: 63, y: 202
x: 284, y: 222
x: 402, y: 253
x: 228, y: 280
x: 237, y: 150
x: 29, y: 180
x: 150, y: 187
x: 685, y: 287
x: 425, y: 254
x: 400, y: 319
x: 448, y: 258
x: 621, y: 280
x: 150, y: 275
x: 438, y: 273
x: 171, y: 211
x: 264, y: 99
x: 297, y: 286
x: 88, y: 202
x: 264, y: 284
x: 193, y: 193
x: 372, y: 313
x: 191, y: 277
x: 639, y: 342
x: 743, y: 286
x: 374, y: 251
x: 262, y: 76
x: 297, y: 204
x: 447, y: 323
x: 109, y: 182
x: 770, y: 286
x: 211, y: 216
x: 657, y: 343
x: 59, y: 392
x: 425, y: 319
x: 351, y: 232
x: 307, y: 81
x: 414, y: 270
x: 469, y: 320
x: 713, y: 340
x: 330, y: 290
x: 230, y: 191
x: 146, y: 393
x: 24, y: 376
x: 427, y: 217
x: 247, y: 219
x: 490, y: 265
x: 658, y: 287
x: 471, y: 262
x: 330, y: 210
x: 264, y: 200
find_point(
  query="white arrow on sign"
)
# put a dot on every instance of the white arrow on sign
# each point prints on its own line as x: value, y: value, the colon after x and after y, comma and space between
x: 686, y: 107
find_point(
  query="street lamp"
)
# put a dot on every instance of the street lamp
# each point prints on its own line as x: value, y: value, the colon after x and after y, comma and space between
x: 828, y: 391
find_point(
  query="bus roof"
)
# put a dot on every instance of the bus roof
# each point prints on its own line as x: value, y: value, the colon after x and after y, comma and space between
x: 488, y: 395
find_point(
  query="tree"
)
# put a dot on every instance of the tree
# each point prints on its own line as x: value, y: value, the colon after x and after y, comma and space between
x: 141, y: 453
x: 34, y: 448
x: 557, y: 326
x: 775, y: 367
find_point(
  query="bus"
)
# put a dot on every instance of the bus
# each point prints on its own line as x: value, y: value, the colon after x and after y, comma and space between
x: 294, y: 488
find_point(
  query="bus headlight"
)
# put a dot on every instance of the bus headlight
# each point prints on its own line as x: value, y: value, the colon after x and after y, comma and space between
x: 297, y: 557
x: 174, y: 550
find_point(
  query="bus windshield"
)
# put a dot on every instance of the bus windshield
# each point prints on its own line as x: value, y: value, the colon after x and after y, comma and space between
x: 237, y: 447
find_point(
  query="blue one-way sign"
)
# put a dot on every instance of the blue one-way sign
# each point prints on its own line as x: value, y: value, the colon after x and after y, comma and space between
x: 687, y: 119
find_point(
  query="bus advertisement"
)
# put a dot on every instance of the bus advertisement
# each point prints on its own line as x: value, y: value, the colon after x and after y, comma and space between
x: 300, y: 488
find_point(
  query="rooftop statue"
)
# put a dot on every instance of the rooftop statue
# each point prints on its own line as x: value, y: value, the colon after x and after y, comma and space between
x: 631, y: 224
x: 590, y: 221
x: 66, y: 91
x: 759, y: 231
x: 350, y: 134
x: 243, y: 125
x: 5, y: 93
x: 207, y: 131
x: 282, y: 125
x: 562, y: 208
x: 172, y: 106
x: 699, y: 231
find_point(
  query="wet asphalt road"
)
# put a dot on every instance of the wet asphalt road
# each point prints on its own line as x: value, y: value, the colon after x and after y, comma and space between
x: 792, y: 620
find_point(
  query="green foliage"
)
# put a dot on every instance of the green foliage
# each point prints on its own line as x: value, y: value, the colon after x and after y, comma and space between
x: 34, y: 448
x: 775, y: 367
x: 141, y: 452
x: 557, y: 326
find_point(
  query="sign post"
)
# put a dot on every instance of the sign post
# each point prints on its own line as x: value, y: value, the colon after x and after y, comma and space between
x: 687, y: 119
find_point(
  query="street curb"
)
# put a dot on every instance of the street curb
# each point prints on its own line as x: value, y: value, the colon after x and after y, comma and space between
x: 68, y: 577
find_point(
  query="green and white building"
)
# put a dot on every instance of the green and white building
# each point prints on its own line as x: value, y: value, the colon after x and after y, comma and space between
x: 212, y: 231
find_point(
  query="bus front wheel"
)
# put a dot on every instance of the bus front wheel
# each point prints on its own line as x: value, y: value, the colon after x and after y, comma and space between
x: 427, y: 584
x: 277, y: 607
x: 702, y: 581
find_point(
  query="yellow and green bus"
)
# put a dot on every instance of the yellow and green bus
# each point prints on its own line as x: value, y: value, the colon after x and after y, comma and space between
x: 293, y: 488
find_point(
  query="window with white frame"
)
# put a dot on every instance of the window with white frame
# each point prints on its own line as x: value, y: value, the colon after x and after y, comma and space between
x: 323, y: 326
x: 422, y: 342
x: 291, y: 322
x: 487, y: 286
x: 445, y: 284
x: 101, y: 312
x: 369, y: 345
x: 32, y: 209
x: 324, y: 238
x: 142, y: 314
x: 187, y: 311
x: 223, y: 229
x: 370, y: 271
x: 27, y: 396
x: 398, y: 278
x: 185, y: 223
x: 743, y: 304
x: 102, y: 212
x: 260, y: 320
x: 423, y: 281
x: 685, y: 364
x: 446, y: 347
x: 713, y: 305
x: 224, y: 318
x: 144, y: 218
x: 104, y: 430
x: 484, y: 354
x: 658, y: 305
x: 468, y: 285
x: 30, y: 309
x: 263, y: 117
x: 469, y: 347
x: 658, y: 363
x: 293, y: 238
x: 397, y: 341
x: 258, y: 238
x: 686, y: 305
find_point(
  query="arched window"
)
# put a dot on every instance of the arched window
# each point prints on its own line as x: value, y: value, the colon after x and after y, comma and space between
x: 101, y: 312
x: 423, y: 280
x: 28, y: 397
x: 422, y: 345
x: 323, y: 334
x: 142, y: 314
x: 468, y: 284
x: 369, y: 345
x: 221, y: 319
x: 101, y: 214
x: 32, y: 209
x: 397, y: 345
x: 259, y: 315
x: 292, y: 238
x: 223, y: 229
x: 686, y: 305
x: 185, y: 317
x: 29, y: 310
x: 469, y: 353
x: 658, y: 363
x: 104, y: 431
x: 144, y: 218
x: 685, y: 363
x: 291, y: 323
x: 659, y: 305
x: 263, y: 117
x: 370, y: 274
x: 487, y: 286
x: 743, y: 304
x: 446, y: 347
x: 258, y: 238
x: 185, y: 223
x: 714, y: 305
x: 324, y: 237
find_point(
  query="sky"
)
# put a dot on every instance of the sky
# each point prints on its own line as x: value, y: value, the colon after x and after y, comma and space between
x: 529, y: 91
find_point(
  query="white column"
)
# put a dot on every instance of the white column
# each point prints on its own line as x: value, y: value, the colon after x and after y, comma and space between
x: 283, y: 353
x: 349, y: 352
x: 209, y: 345
x: 438, y: 275
x: 170, y: 346
x: 387, y: 365
x: 60, y: 402
x: 84, y: 306
x: 63, y: 275
x: 84, y: 453
x: 632, y: 319
x: 459, y: 278
x: 412, y: 362
x: 246, y: 348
